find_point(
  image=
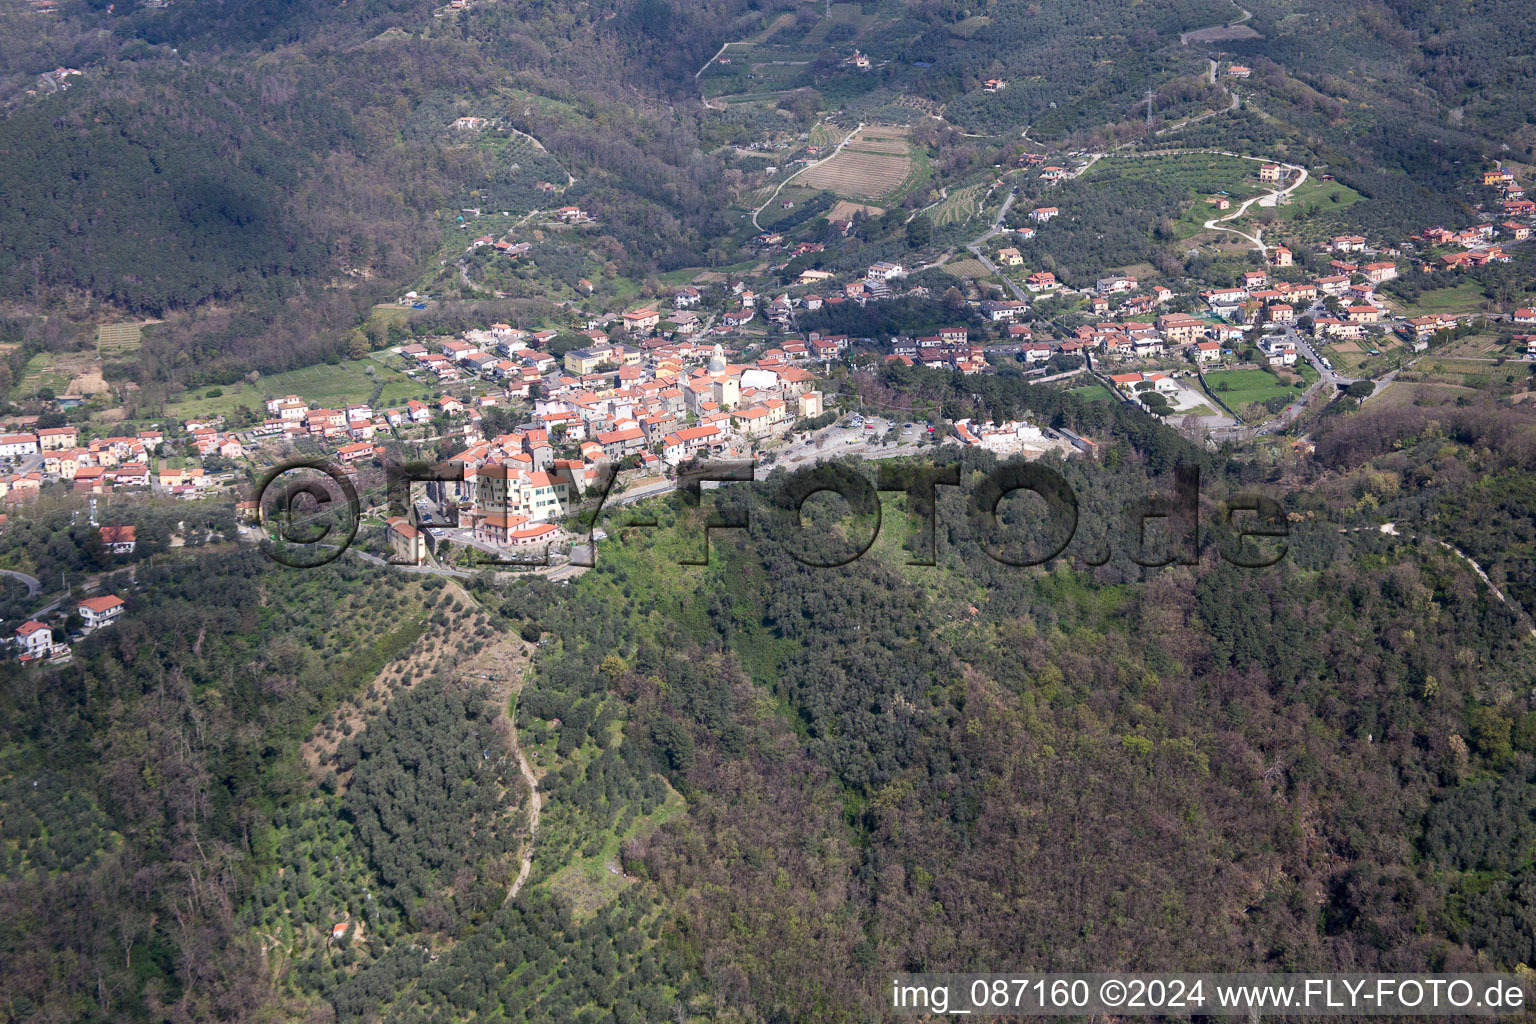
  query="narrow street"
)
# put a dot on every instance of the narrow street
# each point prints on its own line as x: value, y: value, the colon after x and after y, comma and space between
x: 993, y: 231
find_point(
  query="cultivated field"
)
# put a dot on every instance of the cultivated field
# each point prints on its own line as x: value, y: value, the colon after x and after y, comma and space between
x: 844, y: 210
x: 968, y: 267
x: 118, y: 339
x: 872, y: 164
x: 66, y: 373
x: 961, y: 205
x: 1464, y: 297
x: 825, y: 134
x: 42, y: 372
x: 1219, y: 34
x: 859, y: 175
x: 881, y: 139
x: 1468, y: 373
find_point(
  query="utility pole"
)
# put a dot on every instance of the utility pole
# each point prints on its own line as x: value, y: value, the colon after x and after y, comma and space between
x: 1149, y: 110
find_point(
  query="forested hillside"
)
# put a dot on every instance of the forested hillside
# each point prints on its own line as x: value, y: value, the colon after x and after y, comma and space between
x: 766, y: 784
x: 141, y: 783
x: 293, y: 164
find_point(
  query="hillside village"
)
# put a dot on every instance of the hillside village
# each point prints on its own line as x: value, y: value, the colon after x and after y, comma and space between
x: 713, y: 369
x: 742, y: 364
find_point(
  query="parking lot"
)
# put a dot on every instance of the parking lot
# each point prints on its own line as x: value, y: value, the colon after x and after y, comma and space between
x: 856, y: 435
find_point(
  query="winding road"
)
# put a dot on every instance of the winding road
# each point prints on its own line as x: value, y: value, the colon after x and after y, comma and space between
x: 994, y: 230
x: 1267, y: 199
x: 1184, y: 37
x: 34, y: 587
x: 836, y: 149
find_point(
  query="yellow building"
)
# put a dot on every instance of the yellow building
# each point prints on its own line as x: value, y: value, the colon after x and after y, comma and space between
x: 407, y: 543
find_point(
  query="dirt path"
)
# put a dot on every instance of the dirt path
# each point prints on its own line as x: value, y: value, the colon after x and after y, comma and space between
x: 1196, y: 33
x: 502, y: 666
x: 1391, y: 530
x: 535, y: 805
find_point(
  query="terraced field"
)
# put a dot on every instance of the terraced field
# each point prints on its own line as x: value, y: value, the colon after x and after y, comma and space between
x: 826, y: 135
x: 960, y: 206
x: 873, y: 164
x: 858, y: 175
x: 881, y: 139
x: 42, y: 372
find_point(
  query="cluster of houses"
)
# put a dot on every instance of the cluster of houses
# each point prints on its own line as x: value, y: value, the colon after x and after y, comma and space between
x: 646, y: 408
x: 1480, y: 243
x: 37, y: 643
x: 1526, y: 317
x: 55, y: 453
x: 568, y: 214
x: 1015, y: 437
x: 951, y: 349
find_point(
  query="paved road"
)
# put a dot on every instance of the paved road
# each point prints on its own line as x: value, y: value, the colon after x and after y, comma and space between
x: 34, y: 586
x: 991, y: 232
x: 1271, y: 198
x: 641, y: 494
x: 1093, y: 158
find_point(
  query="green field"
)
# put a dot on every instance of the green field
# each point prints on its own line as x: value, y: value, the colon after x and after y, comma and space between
x: 346, y: 382
x: 1092, y: 393
x: 1247, y: 386
x: 1464, y: 297
x: 1319, y: 197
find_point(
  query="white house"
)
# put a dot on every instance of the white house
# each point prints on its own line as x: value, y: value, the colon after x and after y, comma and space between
x: 119, y: 540
x: 16, y: 445
x: 99, y: 611
x: 35, y: 639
